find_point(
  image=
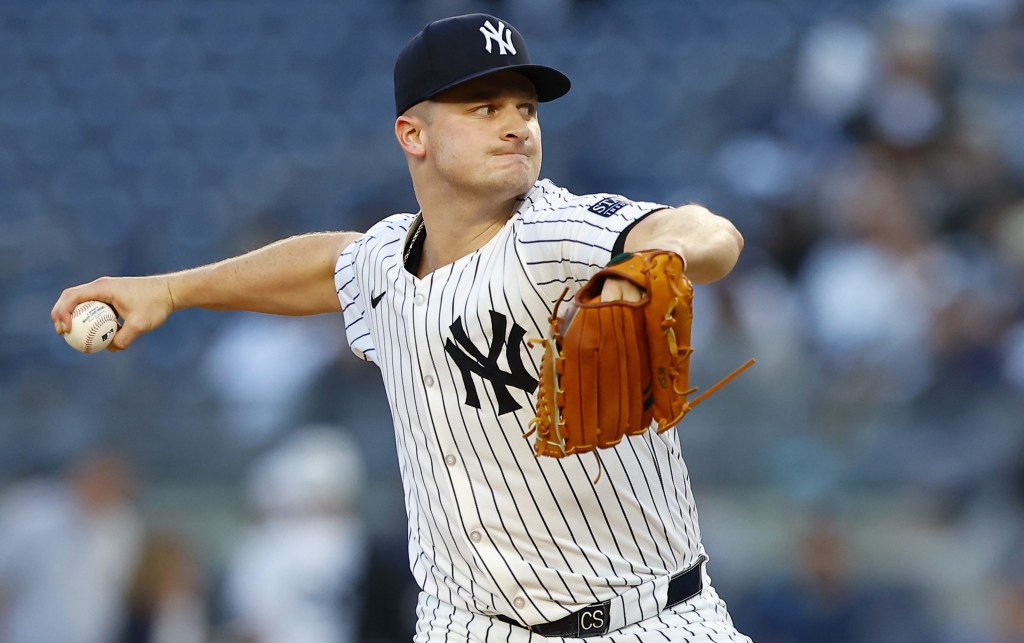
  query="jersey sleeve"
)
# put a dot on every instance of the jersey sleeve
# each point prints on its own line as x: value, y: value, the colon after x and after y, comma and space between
x: 565, y: 238
x: 346, y: 282
x: 363, y: 269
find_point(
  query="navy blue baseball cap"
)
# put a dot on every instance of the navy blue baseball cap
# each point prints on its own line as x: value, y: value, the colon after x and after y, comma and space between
x: 454, y: 50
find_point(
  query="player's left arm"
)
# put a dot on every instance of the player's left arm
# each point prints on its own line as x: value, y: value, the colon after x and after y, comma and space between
x: 709, y: 244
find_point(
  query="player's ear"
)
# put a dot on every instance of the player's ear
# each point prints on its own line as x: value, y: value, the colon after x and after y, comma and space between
x: 409, y: 130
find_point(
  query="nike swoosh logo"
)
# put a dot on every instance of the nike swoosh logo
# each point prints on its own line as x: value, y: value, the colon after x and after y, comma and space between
x: 375, y: 299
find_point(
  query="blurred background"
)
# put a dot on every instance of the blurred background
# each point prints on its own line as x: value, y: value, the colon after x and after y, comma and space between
x: 233, y: 477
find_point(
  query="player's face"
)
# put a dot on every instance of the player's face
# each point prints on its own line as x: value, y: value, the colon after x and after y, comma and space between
x: 484, y: 135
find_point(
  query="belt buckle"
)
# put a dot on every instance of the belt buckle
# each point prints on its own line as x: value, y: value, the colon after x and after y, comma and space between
x: 593, y: 620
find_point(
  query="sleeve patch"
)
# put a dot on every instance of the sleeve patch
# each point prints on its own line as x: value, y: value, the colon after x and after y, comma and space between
x: 607, y: 207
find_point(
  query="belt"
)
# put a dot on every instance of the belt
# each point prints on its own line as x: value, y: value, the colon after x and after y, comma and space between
x: 594, y: 620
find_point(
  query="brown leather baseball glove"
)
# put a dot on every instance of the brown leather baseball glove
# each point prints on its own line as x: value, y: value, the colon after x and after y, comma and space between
x: 610, y: 368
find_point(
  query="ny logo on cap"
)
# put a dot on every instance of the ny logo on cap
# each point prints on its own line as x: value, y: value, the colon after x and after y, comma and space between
x: 500, y: 35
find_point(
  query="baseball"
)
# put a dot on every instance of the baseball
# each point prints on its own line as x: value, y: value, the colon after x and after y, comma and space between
x: 93, y: 326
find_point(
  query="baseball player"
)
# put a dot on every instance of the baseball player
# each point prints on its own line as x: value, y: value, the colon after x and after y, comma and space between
x: 503, y: 544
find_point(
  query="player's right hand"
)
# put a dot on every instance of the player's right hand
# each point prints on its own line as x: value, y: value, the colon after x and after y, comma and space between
x: 615, y: 289
x: 142, y: 303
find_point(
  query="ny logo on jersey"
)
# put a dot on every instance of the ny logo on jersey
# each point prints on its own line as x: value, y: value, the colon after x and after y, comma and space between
x: 500, y: 35
x: 470, y: 360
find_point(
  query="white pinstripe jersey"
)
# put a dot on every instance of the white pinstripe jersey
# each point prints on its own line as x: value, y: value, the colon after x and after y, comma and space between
x: 492, y: 529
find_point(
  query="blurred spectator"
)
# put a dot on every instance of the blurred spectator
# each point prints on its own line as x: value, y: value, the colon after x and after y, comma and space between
x: 1008, y: 609
x: 820, y: 602
x: 1005, y: 603
x: 825, y: 599
x: 165, y: 601
x: 389, y: 600
x: 67, y: 549
x: 260, y: 364
x: 296, y: 576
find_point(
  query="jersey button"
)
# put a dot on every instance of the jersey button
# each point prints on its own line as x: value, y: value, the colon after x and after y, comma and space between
x: 419, y: 299
x: 428, y: 380
x: 519, y: 602
x: 450, y: 460
x: 476, y: 536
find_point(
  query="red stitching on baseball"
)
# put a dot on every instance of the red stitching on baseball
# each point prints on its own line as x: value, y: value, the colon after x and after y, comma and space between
x: 88, y: 338
x: 95, y: 328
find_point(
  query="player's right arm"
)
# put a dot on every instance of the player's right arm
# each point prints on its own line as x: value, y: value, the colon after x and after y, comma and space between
x: 294, y: 276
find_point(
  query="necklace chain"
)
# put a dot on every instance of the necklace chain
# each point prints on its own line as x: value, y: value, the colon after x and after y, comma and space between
x: 412, y: 243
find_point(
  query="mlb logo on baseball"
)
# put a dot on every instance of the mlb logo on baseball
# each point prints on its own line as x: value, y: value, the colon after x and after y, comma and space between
x: 93, y: 326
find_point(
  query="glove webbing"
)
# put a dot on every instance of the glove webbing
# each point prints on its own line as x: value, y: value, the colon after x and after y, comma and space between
x: 725, y: 380
x: 559, y: 440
